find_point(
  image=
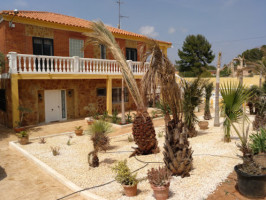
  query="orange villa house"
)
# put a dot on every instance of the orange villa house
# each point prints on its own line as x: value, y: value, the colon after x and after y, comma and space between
x: 47, y: 71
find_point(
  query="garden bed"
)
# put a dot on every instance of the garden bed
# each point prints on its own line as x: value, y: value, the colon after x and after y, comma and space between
x: 213, y: 161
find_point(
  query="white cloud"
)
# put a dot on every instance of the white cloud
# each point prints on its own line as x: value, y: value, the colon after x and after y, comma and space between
x: 21, y: 3
x: 148, y: 31
x: 171, y: 30
x: 183, y: 30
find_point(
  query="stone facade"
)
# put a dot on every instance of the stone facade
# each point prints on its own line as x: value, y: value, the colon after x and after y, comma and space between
x: 79, y: 93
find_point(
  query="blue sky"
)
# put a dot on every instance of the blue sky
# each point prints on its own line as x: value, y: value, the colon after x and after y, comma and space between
x: 231, y: 26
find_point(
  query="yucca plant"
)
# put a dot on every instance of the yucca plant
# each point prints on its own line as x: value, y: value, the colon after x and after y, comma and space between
x: 98, y: 131
x: 234, y: 96
x: 177, y: 153
x: 143, y: 129
x: 258, y: 141
x: 208, y: 93
x: 193, y: 92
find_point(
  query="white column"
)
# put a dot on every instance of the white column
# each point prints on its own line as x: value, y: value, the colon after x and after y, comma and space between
x: 12, y: 58
x: 76, y: 63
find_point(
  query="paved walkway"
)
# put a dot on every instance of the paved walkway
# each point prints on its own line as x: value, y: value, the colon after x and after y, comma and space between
x: 22, y: 179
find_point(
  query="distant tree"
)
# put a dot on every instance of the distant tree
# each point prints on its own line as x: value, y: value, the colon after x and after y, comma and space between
x: 253, y: 54
x: 195, y: 55
x: 225, y: 72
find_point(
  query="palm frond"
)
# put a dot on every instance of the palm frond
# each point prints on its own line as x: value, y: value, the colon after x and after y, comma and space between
x: 101, y: 35
x: 234, y: 96
x: 162, y: 73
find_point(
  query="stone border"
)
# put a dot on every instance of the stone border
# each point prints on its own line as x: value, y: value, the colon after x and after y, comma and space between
x: 127, y: 125
x: 73, y: 187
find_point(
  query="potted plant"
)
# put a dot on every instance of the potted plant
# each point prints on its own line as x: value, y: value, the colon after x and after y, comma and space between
x: 251, y: 177
x: 126, y: 178
x: 98, y: 131
x: 23, y: 137
x: 78, y: 130
x: 23, y: 111
x: 258, y: 146
x: 203, y: 125
x: 160, y: 182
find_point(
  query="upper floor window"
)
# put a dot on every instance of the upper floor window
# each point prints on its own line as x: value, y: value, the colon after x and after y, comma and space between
x: 131, y: 54
x: 103, y: 51
x: 43, y: 46
x: 75, y: 47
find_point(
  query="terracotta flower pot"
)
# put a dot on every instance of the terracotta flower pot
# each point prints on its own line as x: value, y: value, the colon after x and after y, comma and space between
x: 161, y: 192
x: 19, y: 129
x: 203, y: 125
x: 130, y: 190
x: 79, y: 132
x: 24, y: 140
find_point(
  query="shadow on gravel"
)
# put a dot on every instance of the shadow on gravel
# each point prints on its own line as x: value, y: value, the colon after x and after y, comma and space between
x: 2, y: 173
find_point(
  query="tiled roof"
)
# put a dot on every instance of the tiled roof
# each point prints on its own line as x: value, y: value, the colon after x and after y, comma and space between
x: 67, y: 20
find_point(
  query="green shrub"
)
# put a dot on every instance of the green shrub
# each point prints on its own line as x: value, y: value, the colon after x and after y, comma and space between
x: 123, y: 174
x: 258, y: 141
x: 115, y: 117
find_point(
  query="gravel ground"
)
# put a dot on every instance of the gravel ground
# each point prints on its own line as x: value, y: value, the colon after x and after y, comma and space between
x: 213, y: 162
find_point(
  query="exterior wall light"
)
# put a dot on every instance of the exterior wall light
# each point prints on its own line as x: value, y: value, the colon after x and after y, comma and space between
x: 11, y: 25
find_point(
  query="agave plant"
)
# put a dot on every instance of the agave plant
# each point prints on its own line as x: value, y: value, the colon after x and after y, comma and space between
x: 98, y: 131
x: 193, y: 92
x: 143, y: 129
x: 208, y: 92
x: 177, y: 153
x: 234, y: 96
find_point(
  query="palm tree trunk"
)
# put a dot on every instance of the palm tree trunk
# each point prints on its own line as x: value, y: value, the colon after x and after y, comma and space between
x: 216, y: 117
x: 123, y: 103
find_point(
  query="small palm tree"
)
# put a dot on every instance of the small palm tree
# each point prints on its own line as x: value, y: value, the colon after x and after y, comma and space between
x: 193, y: 92
x: 177, y: 152
x: 143, y: 129
x: 234, y: 96
x: 208, y: 92
x: 98, y: 131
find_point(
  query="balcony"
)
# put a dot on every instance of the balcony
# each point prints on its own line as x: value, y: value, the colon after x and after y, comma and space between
x: 38, y: 64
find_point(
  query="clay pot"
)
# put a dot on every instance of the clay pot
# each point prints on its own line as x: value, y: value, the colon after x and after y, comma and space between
x: 130, y: 190
x: 161, y: 192
x: 79, y: 132
x: 203, y: 125
x: 19, y: 129
x: 24, y: 140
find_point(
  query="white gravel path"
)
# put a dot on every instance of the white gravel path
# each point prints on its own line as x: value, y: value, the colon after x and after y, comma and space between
x: 213, y: 162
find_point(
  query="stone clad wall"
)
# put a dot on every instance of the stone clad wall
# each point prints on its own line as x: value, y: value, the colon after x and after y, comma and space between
x: 79, y: 93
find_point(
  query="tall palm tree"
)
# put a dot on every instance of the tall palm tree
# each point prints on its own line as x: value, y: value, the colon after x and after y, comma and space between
x: 217, y: 90
x: 177, y: 153
x: 208, y: 92
x: 143, y: 129
x: 234, y: 96
x: 258, y: 66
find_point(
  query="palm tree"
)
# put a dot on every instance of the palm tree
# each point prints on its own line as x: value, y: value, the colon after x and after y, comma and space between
x: 258, y: 66
x: 192, y: 98
x: 177, y: 153
x: 217, y: 90
x: 98, y: 131
x: 143, y: 129
x: 234, y: 96
x: 208, y: 92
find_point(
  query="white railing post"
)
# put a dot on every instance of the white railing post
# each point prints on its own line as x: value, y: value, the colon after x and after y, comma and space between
x: 12, y: 58
x: 76, y: 63
x: 129, y: 62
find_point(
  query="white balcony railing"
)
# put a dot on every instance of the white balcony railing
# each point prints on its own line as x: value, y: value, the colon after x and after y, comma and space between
x: 38, y: 64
